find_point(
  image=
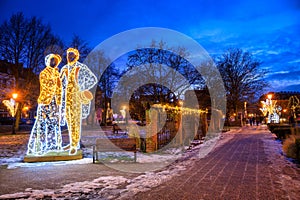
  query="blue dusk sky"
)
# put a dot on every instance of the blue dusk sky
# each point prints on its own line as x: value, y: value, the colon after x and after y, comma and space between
x: 269, y: 29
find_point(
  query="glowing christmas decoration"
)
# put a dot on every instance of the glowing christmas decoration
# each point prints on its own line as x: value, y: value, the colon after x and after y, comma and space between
x: 77, y: 80
x: 183, y: 110
x: 46, y: 134
x: 12, y: 106
x: 294, y: 104
x: 64, y: 98
x: 269, y: 108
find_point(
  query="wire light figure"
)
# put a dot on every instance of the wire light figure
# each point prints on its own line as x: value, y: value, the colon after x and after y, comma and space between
x: 77, y: 80
x: 46, y: 133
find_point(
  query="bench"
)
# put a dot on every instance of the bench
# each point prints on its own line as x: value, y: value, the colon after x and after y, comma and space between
x: 114, y: 145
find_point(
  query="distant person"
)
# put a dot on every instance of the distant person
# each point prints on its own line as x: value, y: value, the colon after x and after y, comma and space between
x: 46, y: 133
x: 257, y: 120
x: 77, y: 80
x: 292, y: 120
x: 253, y: 121
x: 99, y: 116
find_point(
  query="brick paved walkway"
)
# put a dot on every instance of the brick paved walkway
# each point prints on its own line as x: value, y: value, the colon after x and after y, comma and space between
x: 243, y: 168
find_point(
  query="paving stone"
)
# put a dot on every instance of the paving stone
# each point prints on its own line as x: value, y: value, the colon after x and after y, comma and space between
x: 240, y: 169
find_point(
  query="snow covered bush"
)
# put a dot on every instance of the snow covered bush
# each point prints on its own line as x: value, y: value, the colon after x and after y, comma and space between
x: 291, y: 147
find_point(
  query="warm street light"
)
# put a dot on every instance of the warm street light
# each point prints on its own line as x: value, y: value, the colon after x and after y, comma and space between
x: 270, y: 108
x: 14, y: 96
x: 269, y: 96
x: 25, y: 110
x: 180, y: 102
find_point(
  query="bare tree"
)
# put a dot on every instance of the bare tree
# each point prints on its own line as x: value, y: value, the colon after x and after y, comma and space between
x: 166, y: 67
x: 157, y: 74
x: 23, y: 42
x: 108, y: 76
x: 81, y: 45
x: 243, y: 78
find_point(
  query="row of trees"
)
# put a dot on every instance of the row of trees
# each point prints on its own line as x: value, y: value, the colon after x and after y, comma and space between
x: 26, y: 41
x: 242, y: 76
x: 241, y: 73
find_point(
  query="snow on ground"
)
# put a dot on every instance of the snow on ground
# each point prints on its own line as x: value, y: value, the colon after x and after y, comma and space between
x: 13, y: 148
x: 111, y: 157
x: 119, y: 187
x: 107, y: 187
x: 287, y: 171
x: 39, y: 164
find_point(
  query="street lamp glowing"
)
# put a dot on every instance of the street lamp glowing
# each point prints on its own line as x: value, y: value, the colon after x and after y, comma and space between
x: 180, y: 102
x: 15, y: 95
x: 269, y: 96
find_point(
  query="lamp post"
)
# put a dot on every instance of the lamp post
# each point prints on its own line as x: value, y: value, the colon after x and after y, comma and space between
x: 245, y: 108
x: 270, y: 107
x: 25, y: 109
x: 13, y: 100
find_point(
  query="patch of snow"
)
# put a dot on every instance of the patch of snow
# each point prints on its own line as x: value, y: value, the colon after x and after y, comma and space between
x: 165, y: 156
x: 207, y: 146
x: 273, y: 148
x: 39, y: 164
x: 119, y: 187
x: 5, y: 161
x: 108, y: 187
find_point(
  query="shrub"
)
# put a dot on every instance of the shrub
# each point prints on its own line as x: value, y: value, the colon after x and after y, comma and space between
x: 291, y: 147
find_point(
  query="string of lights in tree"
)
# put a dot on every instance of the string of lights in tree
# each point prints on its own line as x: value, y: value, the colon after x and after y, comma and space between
x: 294, y: 104
x: 183, y: 110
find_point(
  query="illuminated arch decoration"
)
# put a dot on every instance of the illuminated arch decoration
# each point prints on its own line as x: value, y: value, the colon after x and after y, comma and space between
x: 77, y: 80
x: 46, y: 134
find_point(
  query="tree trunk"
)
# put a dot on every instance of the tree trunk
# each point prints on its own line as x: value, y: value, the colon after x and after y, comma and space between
x: 18, y: 116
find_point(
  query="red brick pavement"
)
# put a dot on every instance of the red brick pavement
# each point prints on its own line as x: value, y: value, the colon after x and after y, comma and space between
x: 240, y: 169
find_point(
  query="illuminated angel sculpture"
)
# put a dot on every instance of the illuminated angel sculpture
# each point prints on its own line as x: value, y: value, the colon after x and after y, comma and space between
x: 46, y: 133
x: 77, y: 80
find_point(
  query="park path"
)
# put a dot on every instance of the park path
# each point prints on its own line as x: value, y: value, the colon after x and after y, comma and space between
x: 249, y: 166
